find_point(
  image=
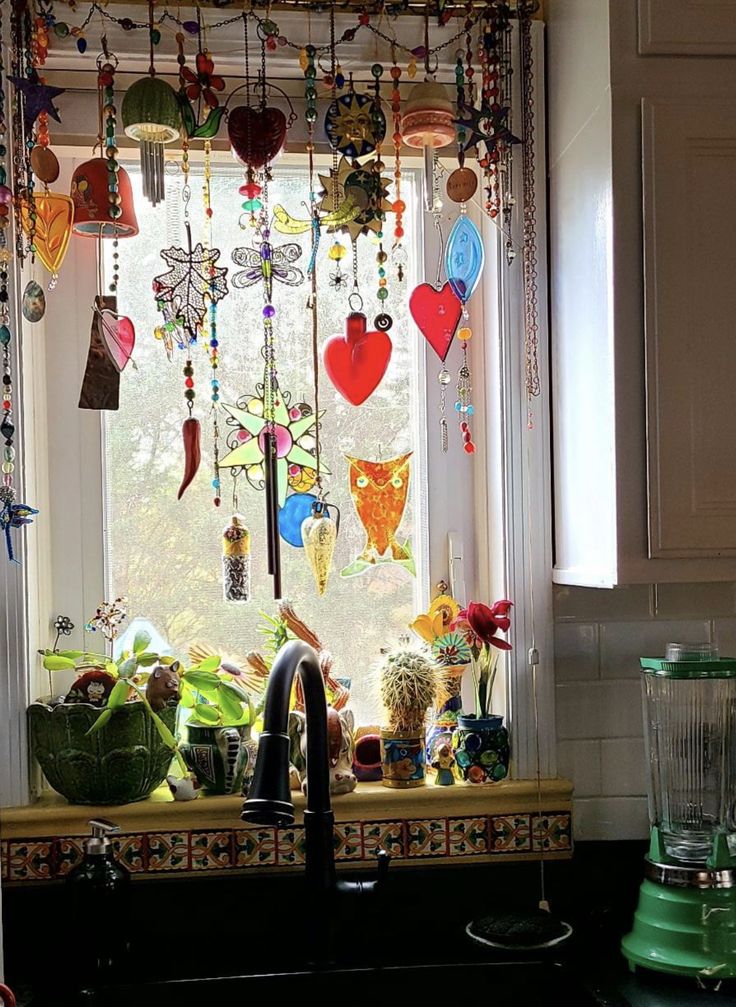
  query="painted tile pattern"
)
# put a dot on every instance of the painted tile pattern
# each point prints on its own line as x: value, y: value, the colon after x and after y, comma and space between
x: 418, y: 840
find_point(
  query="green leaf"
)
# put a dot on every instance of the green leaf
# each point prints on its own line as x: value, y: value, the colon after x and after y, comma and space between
x: 207, y: 714
x: 235, y: 688
x: 73, y: 654
x: 231, y: 706
x: 187, y: 699
x: 128, y: 668
x: 141, y: 641
x: 100, y: 722
x: 111, y: 668
x: 202, y: 679
x: 208, y: 664
x: 166, y: 736
x: 118, y: 695
x: 147, y: 658
x: 55, y: 662
x: 208, y: 129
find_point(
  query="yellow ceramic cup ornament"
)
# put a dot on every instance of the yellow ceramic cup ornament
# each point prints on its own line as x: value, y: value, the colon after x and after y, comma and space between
x: 319, y: 534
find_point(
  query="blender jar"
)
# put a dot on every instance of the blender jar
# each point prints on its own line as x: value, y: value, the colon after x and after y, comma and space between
x: 690, y: 736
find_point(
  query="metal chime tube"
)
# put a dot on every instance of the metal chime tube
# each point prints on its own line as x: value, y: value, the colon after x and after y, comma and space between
x: 272, y: 512
x: 152, y: 168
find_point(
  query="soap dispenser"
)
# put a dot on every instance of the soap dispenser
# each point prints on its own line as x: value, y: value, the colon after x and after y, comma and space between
x: 100, y: 893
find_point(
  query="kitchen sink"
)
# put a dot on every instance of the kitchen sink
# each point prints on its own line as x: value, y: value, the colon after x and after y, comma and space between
x: 519, y: 984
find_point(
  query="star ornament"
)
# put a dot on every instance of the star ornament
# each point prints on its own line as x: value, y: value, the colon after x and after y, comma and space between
x: 484, y: 125
x: 37, y: 97
x: 294, y: 423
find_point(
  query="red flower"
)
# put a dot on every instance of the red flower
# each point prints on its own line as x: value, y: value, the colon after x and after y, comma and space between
x: 203, y: 83
x: 479, y: 624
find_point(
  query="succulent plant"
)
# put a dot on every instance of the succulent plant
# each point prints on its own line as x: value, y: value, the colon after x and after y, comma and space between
x: 408, y: 682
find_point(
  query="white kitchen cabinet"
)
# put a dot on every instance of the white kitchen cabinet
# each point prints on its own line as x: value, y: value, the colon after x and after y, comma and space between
x: 687, y: 27
x: 642, y: 198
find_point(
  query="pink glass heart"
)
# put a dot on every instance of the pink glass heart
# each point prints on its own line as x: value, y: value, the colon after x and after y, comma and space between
x: 118, y: 336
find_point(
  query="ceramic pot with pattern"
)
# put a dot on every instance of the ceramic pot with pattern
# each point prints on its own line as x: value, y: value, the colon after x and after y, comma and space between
x: 222, y: 758
x: 481, y: 748
x: 124, y: 761
x: 404, y: 758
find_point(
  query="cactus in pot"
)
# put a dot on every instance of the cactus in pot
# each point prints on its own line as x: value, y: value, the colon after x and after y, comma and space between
x: 408, y: 685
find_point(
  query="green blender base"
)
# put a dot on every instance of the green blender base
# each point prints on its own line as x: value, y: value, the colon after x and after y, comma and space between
x: 685, y: 931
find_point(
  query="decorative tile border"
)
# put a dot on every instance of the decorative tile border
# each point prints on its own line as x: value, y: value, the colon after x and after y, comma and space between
x: 486, y: 837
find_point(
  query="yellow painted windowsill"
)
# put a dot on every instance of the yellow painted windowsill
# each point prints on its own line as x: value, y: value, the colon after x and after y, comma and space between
x: 51, y: 815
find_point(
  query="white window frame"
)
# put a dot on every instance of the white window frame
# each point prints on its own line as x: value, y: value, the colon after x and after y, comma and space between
x: 508, y: 501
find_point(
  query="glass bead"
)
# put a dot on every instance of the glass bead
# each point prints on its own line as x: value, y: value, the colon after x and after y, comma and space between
x: 337, y: 252
x: 469, y: 448
x: 381, y: 272
x: 189, y: 383
x: 377, y: 70
x: 189, y: 394
x: 444, y: 377
x: 464, y: 334
x: 399, y: 206
x: 458, y: 406
x: 467, y: 436
x: 215, y: 397
x: 311, y: 115
x: 8, y: 454
x: 8, y: 467
x: 470, y: 410
x: 269, y: 311
x: 382, y: 294
x: 398, y: 233
x: 4, y: 335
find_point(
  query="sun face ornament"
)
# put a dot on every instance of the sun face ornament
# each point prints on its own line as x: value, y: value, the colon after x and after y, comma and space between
x: 357, y: 186
x: 353, y: 125
x: 295, y: 442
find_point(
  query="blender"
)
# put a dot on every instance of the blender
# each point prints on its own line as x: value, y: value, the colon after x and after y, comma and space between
x: 685, y: 922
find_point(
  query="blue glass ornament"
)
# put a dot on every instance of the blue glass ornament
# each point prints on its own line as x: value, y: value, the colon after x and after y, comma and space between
x: 464, y: 258
x: 296, y: 510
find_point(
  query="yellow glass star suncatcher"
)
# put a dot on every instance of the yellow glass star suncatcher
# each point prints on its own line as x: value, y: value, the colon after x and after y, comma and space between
x: 295, y: 441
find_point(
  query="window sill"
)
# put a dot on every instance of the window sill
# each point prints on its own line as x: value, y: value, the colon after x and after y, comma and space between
x: 511, y: 820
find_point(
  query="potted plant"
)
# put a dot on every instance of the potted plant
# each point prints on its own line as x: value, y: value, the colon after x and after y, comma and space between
x: 452, y: 655
x: 104, y: 742
x: 480, y: 742
x: 408, y: 686
x: 218, y: 747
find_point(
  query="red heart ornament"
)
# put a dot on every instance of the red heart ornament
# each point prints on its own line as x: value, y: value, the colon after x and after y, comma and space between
x: 256, y: 135
x: 437, y: 315
x: 118, y: 337
x: 356, y: 362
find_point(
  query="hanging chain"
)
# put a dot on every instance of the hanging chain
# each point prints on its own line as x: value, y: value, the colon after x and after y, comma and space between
x: 530, y: 262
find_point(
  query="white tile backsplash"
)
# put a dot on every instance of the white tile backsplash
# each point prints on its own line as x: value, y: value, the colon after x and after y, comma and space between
x: 576, y: 651
x: 599, y: 637
x: 623, y: 643
x: 580, y: 761
x: 623, y: 770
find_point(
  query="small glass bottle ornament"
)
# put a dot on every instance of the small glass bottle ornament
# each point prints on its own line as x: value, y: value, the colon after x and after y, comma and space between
x: 236, y: 560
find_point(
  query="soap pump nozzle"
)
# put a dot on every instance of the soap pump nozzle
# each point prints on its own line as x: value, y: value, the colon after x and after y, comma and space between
x: 98, y: 844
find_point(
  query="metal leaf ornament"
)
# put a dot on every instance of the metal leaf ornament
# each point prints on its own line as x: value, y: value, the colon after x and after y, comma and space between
x: 193, y: 282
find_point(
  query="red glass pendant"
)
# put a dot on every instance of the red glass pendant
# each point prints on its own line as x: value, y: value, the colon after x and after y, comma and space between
x: 356, y: 362
x: 437, y: 315
x: 256, y: 134
x: 118, y: 337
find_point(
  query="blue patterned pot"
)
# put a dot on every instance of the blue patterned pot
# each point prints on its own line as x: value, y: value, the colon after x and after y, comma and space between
x: 481, y: 749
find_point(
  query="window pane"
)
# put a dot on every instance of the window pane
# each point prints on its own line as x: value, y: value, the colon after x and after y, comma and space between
x: 164, y: 555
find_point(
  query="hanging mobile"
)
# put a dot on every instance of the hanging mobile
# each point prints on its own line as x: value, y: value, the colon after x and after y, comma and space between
x: 12, y: 514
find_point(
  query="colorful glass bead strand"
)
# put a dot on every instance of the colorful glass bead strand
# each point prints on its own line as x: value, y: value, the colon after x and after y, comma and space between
x: 463, y: 404
x: 398, y: 252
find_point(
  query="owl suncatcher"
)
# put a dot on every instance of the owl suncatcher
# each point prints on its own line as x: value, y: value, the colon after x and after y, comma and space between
x: 380, y: 491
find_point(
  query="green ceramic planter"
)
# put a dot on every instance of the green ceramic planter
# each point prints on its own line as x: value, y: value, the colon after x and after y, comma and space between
x: 123, y: 762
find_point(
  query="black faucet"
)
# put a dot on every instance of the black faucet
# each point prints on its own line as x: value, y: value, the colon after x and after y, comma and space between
x: 269, y: 802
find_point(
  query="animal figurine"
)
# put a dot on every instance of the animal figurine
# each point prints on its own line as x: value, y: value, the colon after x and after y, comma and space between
x: 185, y: 789
x: 379, y: 491
x: 340, y: 726
x: 93, y: 686
x: 162, y: 688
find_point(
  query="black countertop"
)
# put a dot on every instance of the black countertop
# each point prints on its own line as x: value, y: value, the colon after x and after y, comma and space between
x: 220, y: 926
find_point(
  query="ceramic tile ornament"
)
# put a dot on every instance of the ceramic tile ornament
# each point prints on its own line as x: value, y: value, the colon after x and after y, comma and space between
x: 380, y: 491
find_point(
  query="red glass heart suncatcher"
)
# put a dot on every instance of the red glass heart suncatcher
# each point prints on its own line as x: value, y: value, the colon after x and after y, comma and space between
x: 256, y: 134
x: 118, y: 337
x: 437, y: 315
x: 356, y: 362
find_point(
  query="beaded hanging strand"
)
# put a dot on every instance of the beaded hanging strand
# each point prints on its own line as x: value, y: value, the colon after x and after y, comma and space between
x: 383, y: 320
x: 398, y: 252
x: 12, y: 514
x: 107, y: 65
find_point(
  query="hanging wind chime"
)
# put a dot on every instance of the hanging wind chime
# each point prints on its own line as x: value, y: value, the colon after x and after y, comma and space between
x: 151, y: 116
x: 13, y: 514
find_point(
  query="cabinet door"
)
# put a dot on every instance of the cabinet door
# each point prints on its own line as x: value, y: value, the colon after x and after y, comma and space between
x: 687, y: 27
x: 689, y: 160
